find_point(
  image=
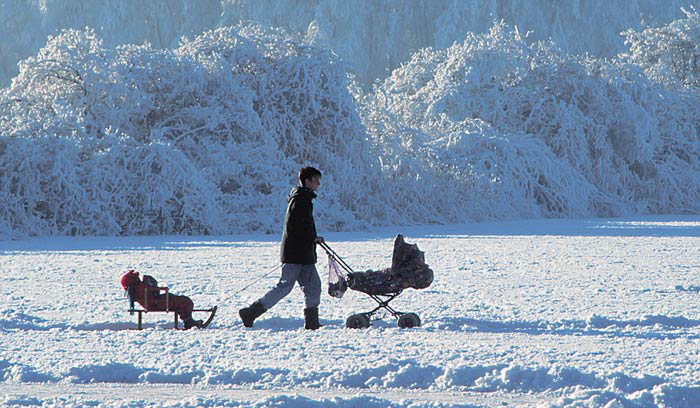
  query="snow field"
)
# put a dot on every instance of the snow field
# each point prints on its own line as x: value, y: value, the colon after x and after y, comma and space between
x: 545, y: 313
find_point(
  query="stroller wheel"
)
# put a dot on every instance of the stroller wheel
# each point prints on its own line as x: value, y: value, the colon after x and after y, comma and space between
x: 408, y: 320
x: 357, y: 321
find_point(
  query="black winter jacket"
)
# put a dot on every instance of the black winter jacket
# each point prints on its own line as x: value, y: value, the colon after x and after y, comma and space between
x: 298, y: 246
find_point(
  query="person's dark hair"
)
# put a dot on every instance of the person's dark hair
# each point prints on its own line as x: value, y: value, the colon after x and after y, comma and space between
x: 307, y: 173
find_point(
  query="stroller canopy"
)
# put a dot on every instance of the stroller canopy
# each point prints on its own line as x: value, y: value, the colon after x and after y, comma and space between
x: 408, y: 265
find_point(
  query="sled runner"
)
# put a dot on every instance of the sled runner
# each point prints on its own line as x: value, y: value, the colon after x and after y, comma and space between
x: 212, y: 312
x: 210, y: 318
x: 408, y: 270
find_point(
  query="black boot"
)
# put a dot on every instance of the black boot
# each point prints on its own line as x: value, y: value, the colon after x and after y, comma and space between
x: 250, y: 313
x: 311, y: 318
x: 190, y: 323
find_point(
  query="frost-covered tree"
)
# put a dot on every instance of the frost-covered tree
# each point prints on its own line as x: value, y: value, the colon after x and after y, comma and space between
x: 202, y: 139
x: 373, y: 37
x: 206, y: 138
x: 669, y: 54
x: 533, y: 131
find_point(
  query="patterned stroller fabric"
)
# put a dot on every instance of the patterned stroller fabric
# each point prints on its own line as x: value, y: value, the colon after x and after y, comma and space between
x: 408, y: 270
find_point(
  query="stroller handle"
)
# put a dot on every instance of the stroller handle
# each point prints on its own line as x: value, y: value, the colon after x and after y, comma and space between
x: 331, y: 253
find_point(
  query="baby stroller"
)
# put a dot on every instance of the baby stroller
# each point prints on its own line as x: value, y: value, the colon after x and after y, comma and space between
x: 408, y: 270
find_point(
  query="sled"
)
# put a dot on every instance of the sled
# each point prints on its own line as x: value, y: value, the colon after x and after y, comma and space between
x: 156, y: 298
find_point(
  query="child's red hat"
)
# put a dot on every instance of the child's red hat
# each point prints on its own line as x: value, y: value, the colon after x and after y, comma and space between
x: 130, y: 278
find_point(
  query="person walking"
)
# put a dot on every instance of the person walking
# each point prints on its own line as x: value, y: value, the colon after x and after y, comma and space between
x: 297, y: 253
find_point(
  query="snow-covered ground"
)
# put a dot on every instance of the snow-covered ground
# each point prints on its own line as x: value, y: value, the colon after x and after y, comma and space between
x: 594, y: 312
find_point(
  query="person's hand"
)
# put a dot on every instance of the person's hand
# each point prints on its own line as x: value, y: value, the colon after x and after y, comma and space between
x: 319, y: 240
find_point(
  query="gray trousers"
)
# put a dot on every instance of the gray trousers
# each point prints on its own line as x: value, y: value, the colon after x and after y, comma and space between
x: 308, y: 279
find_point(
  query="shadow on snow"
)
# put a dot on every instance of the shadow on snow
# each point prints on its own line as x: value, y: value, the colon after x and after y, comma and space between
x: 660, y: 327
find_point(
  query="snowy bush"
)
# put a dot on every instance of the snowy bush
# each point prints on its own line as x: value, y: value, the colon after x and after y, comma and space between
x: 517, y: 130
x: 372, y: 37
x: 206, y: 138
x: 669, y: 54
x: 202, y: 139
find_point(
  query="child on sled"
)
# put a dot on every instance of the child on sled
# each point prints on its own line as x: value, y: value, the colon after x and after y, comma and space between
x: 147, y: 293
